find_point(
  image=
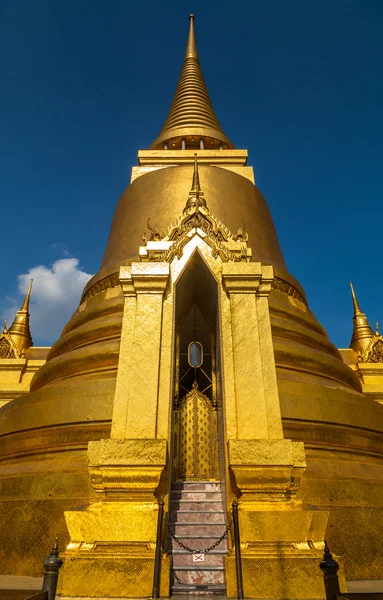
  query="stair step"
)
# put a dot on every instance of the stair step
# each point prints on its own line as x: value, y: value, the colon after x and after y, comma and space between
x: 196, y: 481
x: 186, y: 587
x: 202, y: 486
x: 212, y: 561
x: 201, y: 500
x: 184, y: 529
x: 199, y: 577
x: 208, y: 589
x: 196, y: 567
x: 208, y: 512
x: 199, y: 545
x: 206, y: 553
x: 201, y: 517
x: 218, y: 527
x: 188, y: 496
x: 200, y: 537
x: 201, y: 504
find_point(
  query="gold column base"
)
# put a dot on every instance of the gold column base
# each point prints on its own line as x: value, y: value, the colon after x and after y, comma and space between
x: 279, y: 572
x: 104, y: 571
x: 112, y: 548
x: 281, y: 540
x: 266, y: 470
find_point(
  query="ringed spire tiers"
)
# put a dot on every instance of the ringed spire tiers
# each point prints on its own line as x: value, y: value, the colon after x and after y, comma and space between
x: 362, y: 333
x: 191, y: 122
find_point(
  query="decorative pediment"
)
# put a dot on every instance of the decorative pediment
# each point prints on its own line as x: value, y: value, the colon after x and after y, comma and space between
x: 8, y: 348
x: 198, y: 220
x: 195, y: 220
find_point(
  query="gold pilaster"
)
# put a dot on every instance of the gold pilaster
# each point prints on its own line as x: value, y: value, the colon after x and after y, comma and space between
x: 256, y: 391
x: 117, y: 532
x: 143, y: 285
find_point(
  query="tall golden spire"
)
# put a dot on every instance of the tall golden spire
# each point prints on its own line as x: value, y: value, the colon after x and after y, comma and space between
x: 19, y: 330
x: 362, y: 332
x: 191, y: 122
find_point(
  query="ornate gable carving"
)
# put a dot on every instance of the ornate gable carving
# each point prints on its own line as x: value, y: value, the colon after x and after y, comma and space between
x: 374, y: 351
x: 8, y: 348
x: 198, y: 220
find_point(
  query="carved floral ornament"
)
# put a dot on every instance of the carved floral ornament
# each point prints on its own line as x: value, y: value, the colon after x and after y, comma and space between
x: 374, y: 351
x: 8, y: 348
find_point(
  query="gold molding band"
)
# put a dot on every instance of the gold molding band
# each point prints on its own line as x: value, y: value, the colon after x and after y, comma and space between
x: 281, y: 285
x: 112, y: 281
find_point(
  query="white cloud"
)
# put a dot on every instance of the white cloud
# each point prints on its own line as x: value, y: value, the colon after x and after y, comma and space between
x: 55, y: 296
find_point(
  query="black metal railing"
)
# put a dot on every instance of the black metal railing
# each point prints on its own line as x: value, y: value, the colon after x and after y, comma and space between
x: 330, y: 570
x: 52, y: 566
x: 40, y: 596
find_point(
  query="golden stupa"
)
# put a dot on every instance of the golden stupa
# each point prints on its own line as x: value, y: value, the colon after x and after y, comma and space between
x: 193, y: 362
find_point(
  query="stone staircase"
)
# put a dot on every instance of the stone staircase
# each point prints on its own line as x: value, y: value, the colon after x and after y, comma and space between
x: 197, y: 518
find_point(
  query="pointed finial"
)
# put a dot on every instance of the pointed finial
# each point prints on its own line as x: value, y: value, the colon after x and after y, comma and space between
x: 330, y: 569
x: 19, y: 330
x: 196, y: 189
x: 377, y: 328
x: 362, y: 333
x: 195, y: 195
x: 191, y: 120
x: 25, y: 305
x: 327, y: 554
x: 191, y: 46
x: 357, y: 310
x: 52, y: 566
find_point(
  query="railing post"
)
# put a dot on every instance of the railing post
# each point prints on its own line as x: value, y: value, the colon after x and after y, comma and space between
x: 330, y: 569
x: 157, y: 559
x: 52, y: 565
x: 237, y: 543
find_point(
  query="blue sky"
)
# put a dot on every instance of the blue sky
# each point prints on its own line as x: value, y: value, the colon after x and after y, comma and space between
x: 87, y: 83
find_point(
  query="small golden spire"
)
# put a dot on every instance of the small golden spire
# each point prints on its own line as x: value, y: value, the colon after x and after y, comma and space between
x: 357, y: 310
x: 27, y: 298
x: 195, y: 194
x: 377, y: 328
x: 196, y: 188
x: 19, y: 330
x: 362, y: 333
x: 191, y: 122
